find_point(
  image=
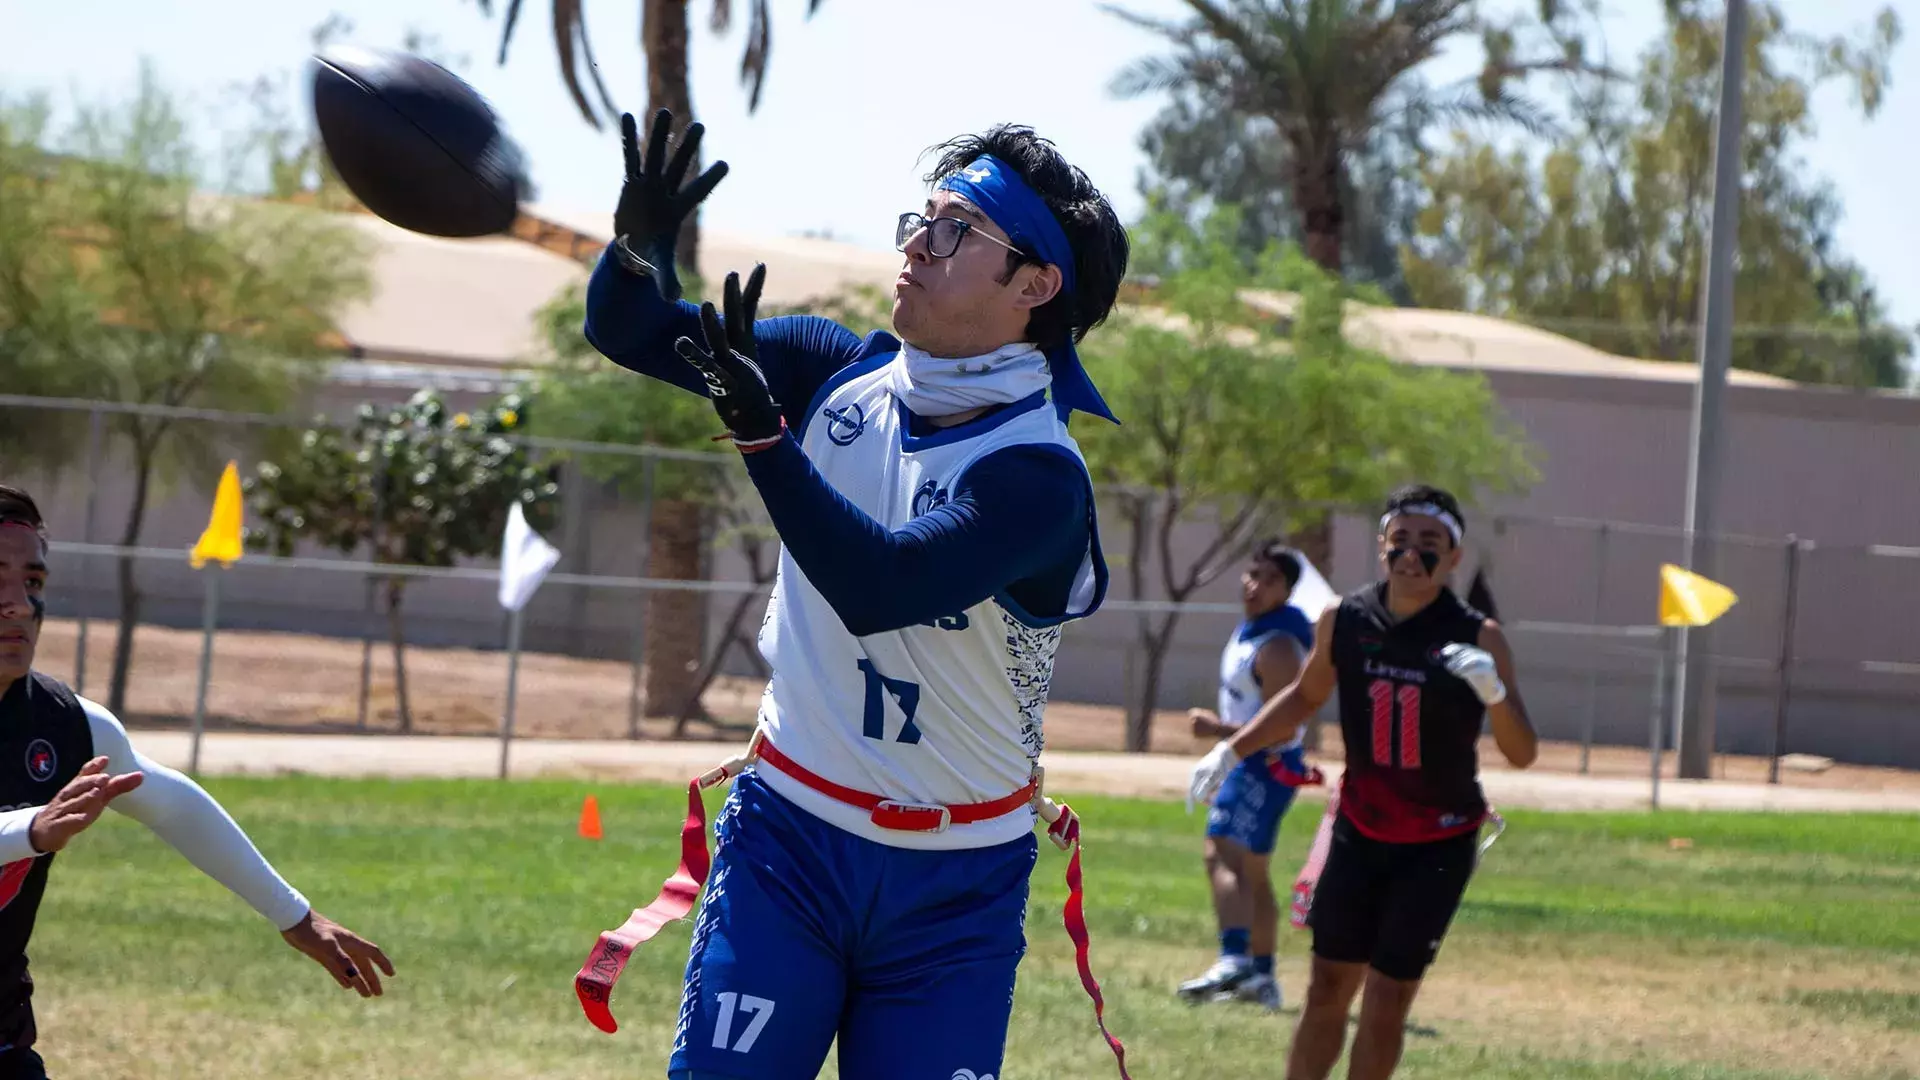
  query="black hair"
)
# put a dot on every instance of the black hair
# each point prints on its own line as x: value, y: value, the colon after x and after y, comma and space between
x: 1415, y: 494
x: 1480, y: 595
x: 1094, y: 232
x: 18, y: 508
x: 1277, y: 554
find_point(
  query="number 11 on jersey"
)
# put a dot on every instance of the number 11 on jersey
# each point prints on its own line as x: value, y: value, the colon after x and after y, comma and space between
x: 1391, y: 699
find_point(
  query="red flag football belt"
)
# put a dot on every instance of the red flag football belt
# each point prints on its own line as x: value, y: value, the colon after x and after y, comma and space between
x: 1284, y: 773
x: 891, y: 813
x: 604, y: 965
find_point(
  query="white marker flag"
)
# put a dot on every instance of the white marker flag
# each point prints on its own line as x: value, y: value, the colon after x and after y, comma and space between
x: 1311, y: 594
x: 525, y: 559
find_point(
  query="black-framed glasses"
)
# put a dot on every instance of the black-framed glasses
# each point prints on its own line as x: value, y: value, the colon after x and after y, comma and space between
x: 943, y: 235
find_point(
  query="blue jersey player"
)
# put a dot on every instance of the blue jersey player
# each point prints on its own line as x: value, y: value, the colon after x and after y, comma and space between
x: 937, y: 527
x: 1259, y: 661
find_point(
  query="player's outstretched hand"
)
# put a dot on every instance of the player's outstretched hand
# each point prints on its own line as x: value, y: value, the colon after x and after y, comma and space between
x: 1209, y: 773
x: 348, y: 957
x: 730, y: 365
x: 1476, y: 668
x: 1205, y: 724
x: 646, y: 224
x: 78, y: 805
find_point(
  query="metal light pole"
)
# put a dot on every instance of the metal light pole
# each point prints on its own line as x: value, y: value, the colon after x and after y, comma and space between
x: 1692, y: 665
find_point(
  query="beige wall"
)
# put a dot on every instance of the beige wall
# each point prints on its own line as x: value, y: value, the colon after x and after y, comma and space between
x: 1833, y: 467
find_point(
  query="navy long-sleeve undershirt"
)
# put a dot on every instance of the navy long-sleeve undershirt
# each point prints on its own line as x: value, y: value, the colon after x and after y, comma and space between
x: 1016, y: 526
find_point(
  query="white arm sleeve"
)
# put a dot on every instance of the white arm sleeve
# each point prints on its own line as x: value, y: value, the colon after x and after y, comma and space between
x: 14, y: 844
x: 180, y: 812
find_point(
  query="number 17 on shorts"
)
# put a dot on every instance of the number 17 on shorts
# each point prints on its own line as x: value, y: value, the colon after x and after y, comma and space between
x: 738, y: 1021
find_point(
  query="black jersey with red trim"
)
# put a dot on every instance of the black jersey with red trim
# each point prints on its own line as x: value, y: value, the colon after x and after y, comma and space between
x: 44, y: 739
x: 1412, y: 729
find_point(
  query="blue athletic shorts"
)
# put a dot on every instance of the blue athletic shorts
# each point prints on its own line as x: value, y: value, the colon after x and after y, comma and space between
x: 1248, y: 808
x: 809, y: 932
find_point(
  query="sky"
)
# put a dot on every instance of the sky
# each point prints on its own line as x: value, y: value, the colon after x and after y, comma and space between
x: 856, y: 94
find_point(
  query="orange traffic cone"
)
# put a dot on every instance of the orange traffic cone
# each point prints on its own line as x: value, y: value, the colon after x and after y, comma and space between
x: 590, y: 819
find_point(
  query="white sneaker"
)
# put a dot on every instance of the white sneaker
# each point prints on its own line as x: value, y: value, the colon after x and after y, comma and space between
x: 1225, y: 974
x: 1261, y: 990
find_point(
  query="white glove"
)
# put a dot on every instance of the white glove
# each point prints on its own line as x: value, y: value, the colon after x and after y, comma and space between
x: 1475, y: 667
x: 1209, y: 773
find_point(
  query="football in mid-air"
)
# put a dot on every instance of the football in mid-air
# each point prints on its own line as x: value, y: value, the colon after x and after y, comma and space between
x: 415, y: 144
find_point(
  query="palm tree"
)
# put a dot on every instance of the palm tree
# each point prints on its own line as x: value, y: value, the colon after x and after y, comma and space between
x: 1331, y: 76
x: 1327, y: 74
x: 664, y: 40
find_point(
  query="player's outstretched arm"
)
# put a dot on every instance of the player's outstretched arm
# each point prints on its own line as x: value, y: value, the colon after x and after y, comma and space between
x: 1282, y: 715
x: 1512, y: 729
x: 631, y: 324
x: 634, y: 308
x: 181, y: 812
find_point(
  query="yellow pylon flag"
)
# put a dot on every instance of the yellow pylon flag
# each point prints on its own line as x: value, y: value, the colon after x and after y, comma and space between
x: 1687, y: 599
x: 221, y: 541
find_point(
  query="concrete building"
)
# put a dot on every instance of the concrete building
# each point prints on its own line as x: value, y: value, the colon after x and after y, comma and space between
x: 1830, y: 466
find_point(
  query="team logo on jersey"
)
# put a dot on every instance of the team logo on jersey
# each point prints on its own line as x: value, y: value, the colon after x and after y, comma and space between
x: 930, y: 496
x: 41, y: 760
x: 845, y: 424
x: 969, y: 1074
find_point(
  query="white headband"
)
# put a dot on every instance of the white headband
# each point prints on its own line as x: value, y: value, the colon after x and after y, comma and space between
x: 1441, y: 513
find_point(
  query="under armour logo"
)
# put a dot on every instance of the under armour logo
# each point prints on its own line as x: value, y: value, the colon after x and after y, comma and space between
x: 975, y: 175
x: 969, y: 1074
x: 845, y: 425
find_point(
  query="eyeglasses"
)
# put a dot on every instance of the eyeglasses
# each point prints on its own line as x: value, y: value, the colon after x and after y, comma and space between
x: 943, y: 235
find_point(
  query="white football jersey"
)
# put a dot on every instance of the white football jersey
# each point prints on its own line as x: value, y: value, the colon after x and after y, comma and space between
x: 947, y: 712
x: 1241, y: 694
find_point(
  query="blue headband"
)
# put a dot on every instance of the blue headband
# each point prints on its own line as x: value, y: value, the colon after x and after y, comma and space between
x: 1004, y: 197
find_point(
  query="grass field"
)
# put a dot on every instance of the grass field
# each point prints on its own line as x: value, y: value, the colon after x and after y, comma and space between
x: 1590, y: 947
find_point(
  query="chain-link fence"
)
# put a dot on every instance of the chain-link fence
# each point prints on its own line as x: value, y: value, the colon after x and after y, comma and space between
x: 646, y: 628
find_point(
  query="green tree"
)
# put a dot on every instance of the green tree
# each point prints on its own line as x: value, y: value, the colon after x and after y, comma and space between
x: 1200, y: 153
x: 1325, y: 77
x: 417, y: 485
x: 1243, y: 429
x: 148, y: 291
x: 44, y: 313
x: 1602, y: 236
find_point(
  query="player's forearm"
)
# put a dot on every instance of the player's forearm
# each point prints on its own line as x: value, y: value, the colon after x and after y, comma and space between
x: 939, y: 564
x: 181, y: 812
x: 630, y: 323
x: 16, y: 827
x: 634, y: 326
x: 1276, y: 722
x: 1513, y: 733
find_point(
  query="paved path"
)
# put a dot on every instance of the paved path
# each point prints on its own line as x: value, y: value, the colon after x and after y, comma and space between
x: 1151, y: 775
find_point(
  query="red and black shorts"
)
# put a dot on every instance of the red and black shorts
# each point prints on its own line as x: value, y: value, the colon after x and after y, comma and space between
x: 1388, y: 905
